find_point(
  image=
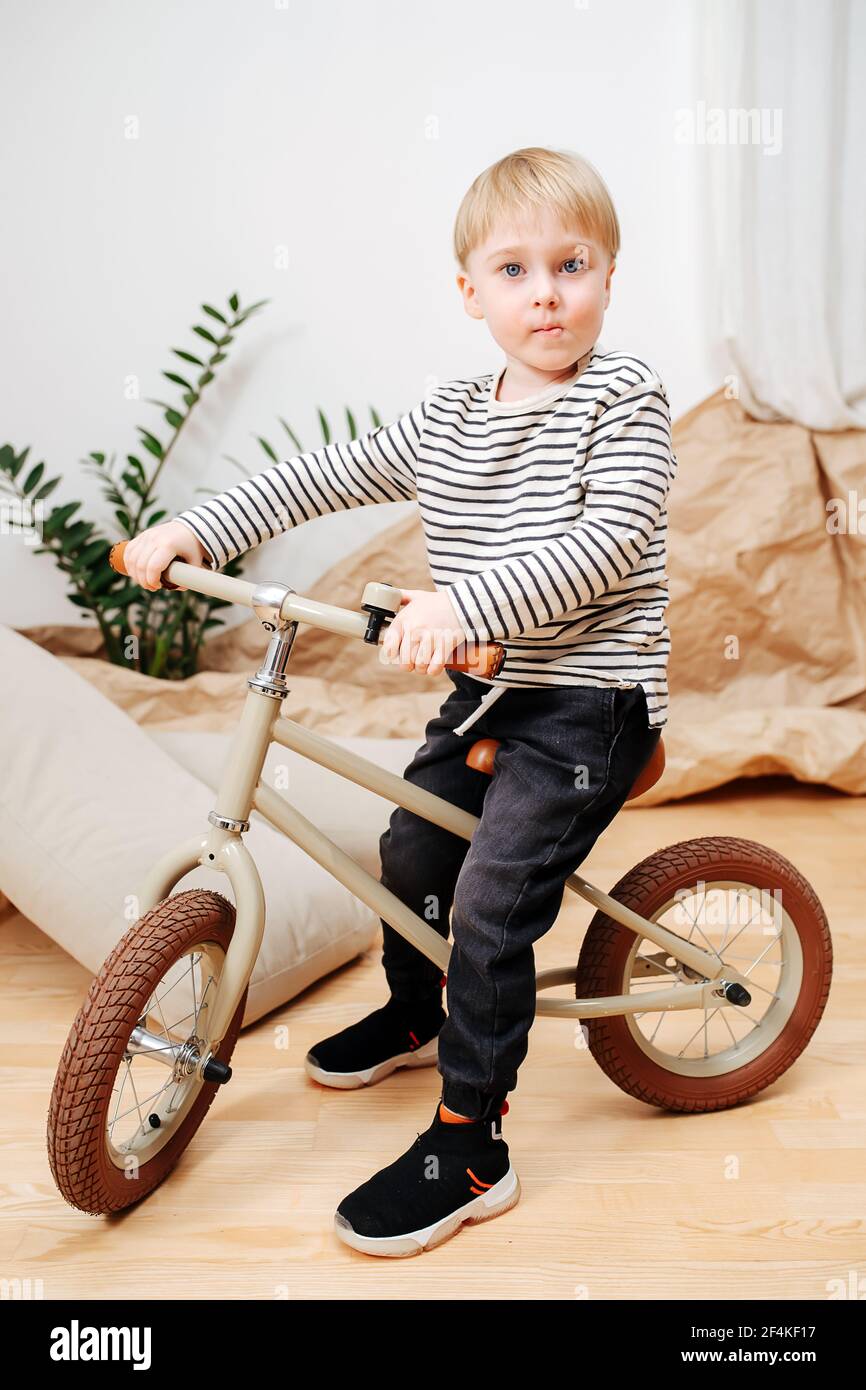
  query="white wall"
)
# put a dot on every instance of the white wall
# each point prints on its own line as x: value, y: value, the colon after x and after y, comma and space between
x: 348, y: 133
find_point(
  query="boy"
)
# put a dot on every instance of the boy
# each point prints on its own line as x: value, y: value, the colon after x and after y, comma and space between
x: 542, y: 491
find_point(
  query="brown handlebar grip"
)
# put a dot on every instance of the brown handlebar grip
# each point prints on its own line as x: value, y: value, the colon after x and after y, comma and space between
x: 488, y: 663
x: 115, y: 559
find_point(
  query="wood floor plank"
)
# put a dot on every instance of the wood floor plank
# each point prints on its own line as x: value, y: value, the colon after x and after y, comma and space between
x: 620, y: 1200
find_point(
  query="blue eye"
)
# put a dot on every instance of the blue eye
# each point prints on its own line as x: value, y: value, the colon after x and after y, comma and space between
x: 577, y: 262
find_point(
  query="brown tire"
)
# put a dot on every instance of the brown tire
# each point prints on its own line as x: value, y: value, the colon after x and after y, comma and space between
x: 93, y: 1170
x: 698, y: 1077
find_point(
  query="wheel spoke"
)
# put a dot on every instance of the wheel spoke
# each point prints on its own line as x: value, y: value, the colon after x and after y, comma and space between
x: 146, y: 1102
x: 180, y: 980
x: 649, y: 971
x: 170, y: 1106
x: 170, y: 1097
x: 700, y: 1028
x: 192, y: 985
x: 769, y: 945
x: 210, y: 981
x: 726, y: 1021
x: 710, y: 946
x: 162, y: 1015
x: 763, y: 988
x: 119, y: 1097
x: 662, y: 1016
x: 135, y: 1093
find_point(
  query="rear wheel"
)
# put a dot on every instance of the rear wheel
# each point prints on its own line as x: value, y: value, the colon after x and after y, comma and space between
x: 752, y: 908
x: 120, y: 1117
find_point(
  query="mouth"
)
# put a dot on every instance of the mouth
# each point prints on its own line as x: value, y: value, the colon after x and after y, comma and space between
x: 553, y: 330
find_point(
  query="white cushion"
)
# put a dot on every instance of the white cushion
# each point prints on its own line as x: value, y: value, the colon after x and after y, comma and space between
x: 90, y: 801
x: 353, y: 817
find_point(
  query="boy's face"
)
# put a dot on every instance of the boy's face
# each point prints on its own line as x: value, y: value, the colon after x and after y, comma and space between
x: 524, y: 277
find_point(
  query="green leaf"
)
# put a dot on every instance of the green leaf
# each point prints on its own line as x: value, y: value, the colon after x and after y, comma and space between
x: 123, y: 518
x: 233, y: 302
x: 137, y: 465
x: 326, y: 432
x: 188, y: 357
x: 32, y: 478
x: 134, y: 483
x: 131, y: 594
x: 150, y: 442
x: 58, y: 518
x: 46, y: 490
x: 214, y: 313
x: 155, y: 517
x: 15, y: 468
x: 252, y: 309
x: 173, y: 418
x: 179, y: 380
x: 205, y: 333
x: 98, y: 458
x: 290, y: 432
x: 350, y: 422
x: 375, y: 418
x: 74, y: 536
x: 190, y: 397
x: 267, y: 448
x: 205, y: 378
x: 103, y: 581
x: 218, y: 357
x: 92, y: 552
x: 80, y: 602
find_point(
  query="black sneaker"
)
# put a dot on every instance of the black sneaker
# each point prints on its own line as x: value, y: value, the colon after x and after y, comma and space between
x: 414, y: 1204
x: 397, y: 1035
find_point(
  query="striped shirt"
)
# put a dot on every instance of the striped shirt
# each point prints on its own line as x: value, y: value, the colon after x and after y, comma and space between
x: 545, y: 519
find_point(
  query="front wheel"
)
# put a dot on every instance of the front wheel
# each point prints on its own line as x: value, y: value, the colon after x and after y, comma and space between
x: 752, y: 908
x: 120, y: 1117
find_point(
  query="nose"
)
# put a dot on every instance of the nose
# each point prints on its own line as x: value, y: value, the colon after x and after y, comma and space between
x: 545, y: 293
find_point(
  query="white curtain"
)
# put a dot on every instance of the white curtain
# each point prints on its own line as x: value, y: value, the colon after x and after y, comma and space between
x: 781, y: 116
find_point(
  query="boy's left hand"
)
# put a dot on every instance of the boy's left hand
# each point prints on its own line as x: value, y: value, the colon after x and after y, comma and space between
x: 422, y: 636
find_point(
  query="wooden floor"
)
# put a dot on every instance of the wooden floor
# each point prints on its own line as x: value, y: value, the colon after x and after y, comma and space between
x: 620, y: 1200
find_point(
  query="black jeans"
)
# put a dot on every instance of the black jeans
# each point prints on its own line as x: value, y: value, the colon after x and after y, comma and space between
x: 567, y: 760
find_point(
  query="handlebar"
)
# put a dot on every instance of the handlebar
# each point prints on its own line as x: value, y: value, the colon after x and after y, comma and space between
x: 381, y: 601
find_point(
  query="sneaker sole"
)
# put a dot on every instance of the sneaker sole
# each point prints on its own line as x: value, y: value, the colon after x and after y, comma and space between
x: 504, y: 1195
x: 426, y: 1056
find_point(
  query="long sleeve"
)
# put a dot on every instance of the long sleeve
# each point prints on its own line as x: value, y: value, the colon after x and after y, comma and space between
x: 380, y: 466
x: 629, y: 468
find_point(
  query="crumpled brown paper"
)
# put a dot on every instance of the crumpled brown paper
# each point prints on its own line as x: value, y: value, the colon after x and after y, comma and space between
x: 767, y: 617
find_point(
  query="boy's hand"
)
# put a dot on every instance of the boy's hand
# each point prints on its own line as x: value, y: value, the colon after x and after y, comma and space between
x: 422, y: 636
x: 151, y: 552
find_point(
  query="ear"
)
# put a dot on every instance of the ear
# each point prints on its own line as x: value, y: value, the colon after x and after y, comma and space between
x: 611, y: 268
x: 470, y: 299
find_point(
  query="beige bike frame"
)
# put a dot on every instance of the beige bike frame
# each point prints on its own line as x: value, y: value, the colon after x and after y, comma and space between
x: 280, y: 610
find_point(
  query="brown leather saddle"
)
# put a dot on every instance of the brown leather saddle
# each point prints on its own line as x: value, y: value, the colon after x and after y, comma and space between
x: 482, y: 752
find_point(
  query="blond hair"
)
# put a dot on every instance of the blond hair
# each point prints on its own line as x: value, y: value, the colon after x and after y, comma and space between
x: 522, y: 184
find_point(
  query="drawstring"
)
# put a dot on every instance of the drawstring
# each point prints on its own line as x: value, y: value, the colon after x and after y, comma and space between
x: 483, y: 706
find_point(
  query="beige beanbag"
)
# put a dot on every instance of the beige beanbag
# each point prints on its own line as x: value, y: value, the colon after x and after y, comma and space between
x: 90, y: 801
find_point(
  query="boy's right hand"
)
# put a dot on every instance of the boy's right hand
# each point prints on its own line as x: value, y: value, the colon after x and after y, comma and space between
x: 149, y: 554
